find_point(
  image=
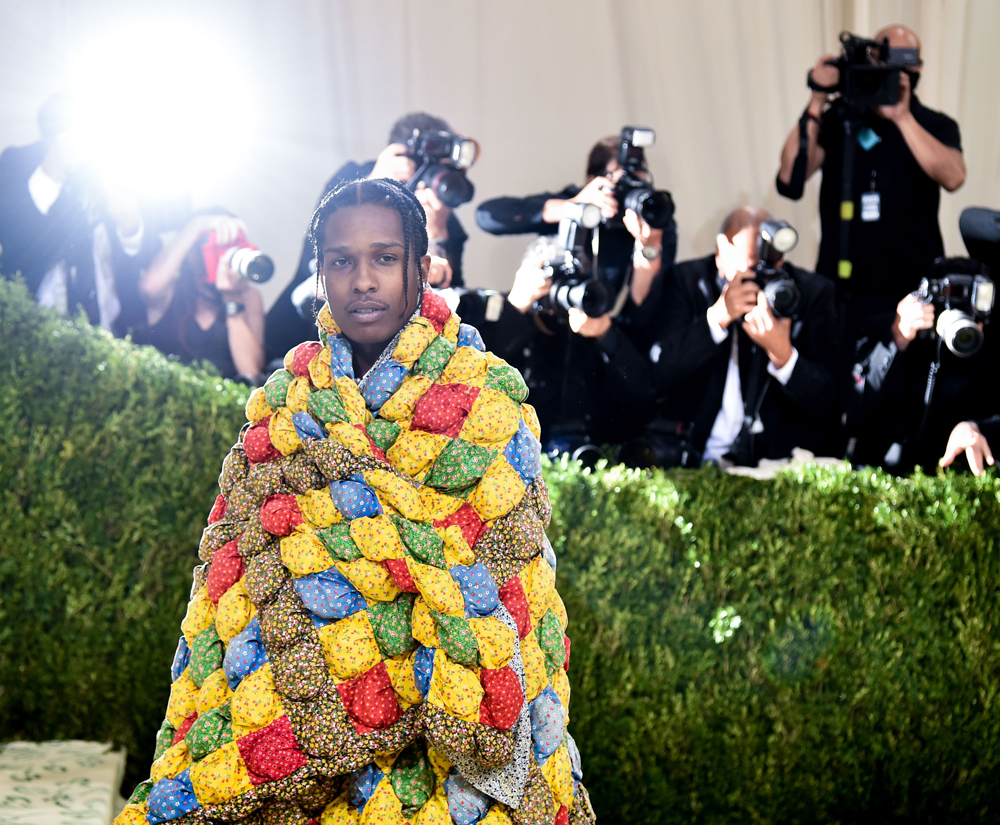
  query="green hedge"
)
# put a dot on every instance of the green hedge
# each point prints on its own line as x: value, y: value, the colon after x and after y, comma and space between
x: 859, y: 681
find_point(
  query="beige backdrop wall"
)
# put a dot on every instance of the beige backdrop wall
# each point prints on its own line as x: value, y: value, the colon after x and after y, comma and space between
x: 536, y: 81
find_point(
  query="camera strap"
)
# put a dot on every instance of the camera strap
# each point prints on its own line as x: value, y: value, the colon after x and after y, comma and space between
x: 932, y: 373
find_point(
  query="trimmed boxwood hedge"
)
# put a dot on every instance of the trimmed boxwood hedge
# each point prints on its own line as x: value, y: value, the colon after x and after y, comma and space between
x: 821, y: 647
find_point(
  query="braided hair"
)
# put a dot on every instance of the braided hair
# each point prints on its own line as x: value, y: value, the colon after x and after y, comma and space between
x: 376, y: 192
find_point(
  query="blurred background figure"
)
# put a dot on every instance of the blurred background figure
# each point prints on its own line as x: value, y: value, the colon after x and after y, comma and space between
x: 77, y: 243
x: 199, y: 302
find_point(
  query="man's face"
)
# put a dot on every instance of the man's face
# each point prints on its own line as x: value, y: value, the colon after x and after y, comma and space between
x: 361, y: 262
x: 737, y: 256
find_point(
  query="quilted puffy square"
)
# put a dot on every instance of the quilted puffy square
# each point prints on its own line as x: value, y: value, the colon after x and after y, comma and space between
x: 435, y: 309
x: 341, y: 360
x: 466, y: 519
x: 220, y: 776
x: 211, y: 730
x: 479, y: 591
x: 357, y: 412
x: 497, y: 643
x: 218, y: 509
x: 338, y: 542
x: 320, y: 373
x: 558, y: 772
x: 226, y: 570
x: 455, y: 689
x: 392, y: 625
x: 514, y: 599
x: 467, y: 366
x: 383, y: 383
x: 535, y: 676
x: 171, y: 799
x: 423, y: 669
x: 398, y: 494
x: 317, y: 508
x: 272, y: 752
x: 174, y: 760
x: 401, y: 674
x: 304, y: 553
x: 499, y: 492
x: 298, y: 364
x: 276, y: 388
x: 349, y: 646
x: 415, y: 451
x: 421, y: 541
x: 550, y: 640
x: 214, y: 691
x: 363, y: 783
x: 539, y: 584
x: 531, y: 419
x: 281, y: 429
x: 460, y: 465
x: 412, y: 778
x: 376, y: 538
x: 401, y: 405
x: 468, y: 336
x: 370, y: 700
x: 255, y: 703
x: 234, y: 612
x: 434, y: 359
x: 548, y: 724
x: 183, y: 729
x: 438, y: 588
x: 457, y: 639
x: 424, y: 624
x: 383, y: 433
x: 503, y: 698
x: 298, y: 395
x: 466, y: 804
x: 524, y: 453
x: 504, y: 378
x: 306, y: 426
x: 399, y: 572
x: 326, y: 406
x: 257, y: 443
x: 444, y: 408
x: 329, y: 594
x: 200, y: 614
x: 206, y: 655
x: 181, y: 658
x: 350, y: 436
x: 244, y: 655
x: 354, y: 498
x: 493, y: 419
x: 280, y: 514
x: 257, y: 406
x: 414, y: 340
x: 371, y: 579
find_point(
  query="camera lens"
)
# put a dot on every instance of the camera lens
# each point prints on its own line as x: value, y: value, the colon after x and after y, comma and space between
x: 590, y: 297
x: 654, y: 206
x: 959, y: 332
x: 783, y: 297
x: 253, y: 265
x: 451, y: 186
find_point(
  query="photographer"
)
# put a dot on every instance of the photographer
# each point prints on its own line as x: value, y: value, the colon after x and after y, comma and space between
x: 286, y: 327
x: 902, y: 155
x: 198, y: 315
x: 893, y: 423
x: 742, y: 383
x: 971, y: 438
x: 75, y: 243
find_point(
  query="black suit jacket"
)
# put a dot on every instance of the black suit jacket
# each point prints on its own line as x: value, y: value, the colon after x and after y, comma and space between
x: 689, y: 368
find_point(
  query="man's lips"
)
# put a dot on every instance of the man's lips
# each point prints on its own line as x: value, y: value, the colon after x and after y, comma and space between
x: 367, y: 310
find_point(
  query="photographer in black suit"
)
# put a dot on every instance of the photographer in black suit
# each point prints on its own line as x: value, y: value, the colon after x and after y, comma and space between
x: 741, y: 382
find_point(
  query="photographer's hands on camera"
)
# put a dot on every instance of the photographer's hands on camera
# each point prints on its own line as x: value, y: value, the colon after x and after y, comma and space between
x: 912, y: 315
x: 742, y: 299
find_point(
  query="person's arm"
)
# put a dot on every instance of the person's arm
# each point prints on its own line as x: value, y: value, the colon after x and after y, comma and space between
x: 519, y: 216
x: 825, y: 75
x: 942, y: 164
x: 245, y: 326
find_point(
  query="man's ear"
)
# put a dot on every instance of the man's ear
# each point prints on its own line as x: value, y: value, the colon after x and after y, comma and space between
x: 425, y: 270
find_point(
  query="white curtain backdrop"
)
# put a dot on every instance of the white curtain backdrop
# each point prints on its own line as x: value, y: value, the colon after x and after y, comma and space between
x: 536, y: 82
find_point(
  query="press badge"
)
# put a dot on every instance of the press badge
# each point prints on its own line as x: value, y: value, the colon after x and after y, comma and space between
x: 871, y: 209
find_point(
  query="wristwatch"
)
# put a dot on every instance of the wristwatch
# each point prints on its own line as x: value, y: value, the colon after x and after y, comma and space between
x: 650, y: 253
x: 234, y: 308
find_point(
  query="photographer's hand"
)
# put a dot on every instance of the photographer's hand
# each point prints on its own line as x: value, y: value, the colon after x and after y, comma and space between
x: 942, y: 164
x: 437, y: 213
x: 600, y: 192
x: 774, y: 335
x: 530, y: 283
x: 967, y: 437
x: 738, y: 298
x: 439, y: 272
x: 393, y: 163
x: 583, y: 324
x: 911, y: 316
x: 643, y: 269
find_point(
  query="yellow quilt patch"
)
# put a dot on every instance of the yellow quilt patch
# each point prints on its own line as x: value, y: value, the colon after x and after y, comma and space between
x: 255, y: 702
x: 349, y: 646
x: 303, y: 553
x: 455, y: 689
x: 376, y: 538
x: 371, y: 579
x: 220, y: 776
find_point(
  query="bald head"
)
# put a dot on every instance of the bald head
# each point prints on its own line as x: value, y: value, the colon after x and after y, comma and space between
x: 736, y: 243
x: 900, y: 37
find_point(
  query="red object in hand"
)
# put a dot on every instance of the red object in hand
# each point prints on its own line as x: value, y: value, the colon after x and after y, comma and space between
x: 212, y: 252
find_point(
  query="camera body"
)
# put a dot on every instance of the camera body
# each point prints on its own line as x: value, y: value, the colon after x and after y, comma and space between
x: 962, y: 295
x: 654, y: 206
x: 776, y: 238
x: 243, y: 256
x: 869, y: 71
x: 442, y: 159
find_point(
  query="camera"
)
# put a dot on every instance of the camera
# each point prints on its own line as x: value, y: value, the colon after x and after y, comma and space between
x: 572, y: 287
x: 962, y: 296
x: 240, y: 254
x: 776, y: 239
x: 869, y: 71
x: 442, y: 158
x: 654, y: 206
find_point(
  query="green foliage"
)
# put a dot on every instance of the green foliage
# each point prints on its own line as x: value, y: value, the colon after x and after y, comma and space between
x: 822, y: 647
x: 109, y: 456
x: 817, y: 648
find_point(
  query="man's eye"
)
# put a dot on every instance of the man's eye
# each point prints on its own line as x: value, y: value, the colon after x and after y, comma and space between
x: 387, y: 259
x: 340, y: 262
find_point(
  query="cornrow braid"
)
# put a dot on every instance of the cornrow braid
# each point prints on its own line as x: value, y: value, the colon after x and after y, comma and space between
x: 376, y: 192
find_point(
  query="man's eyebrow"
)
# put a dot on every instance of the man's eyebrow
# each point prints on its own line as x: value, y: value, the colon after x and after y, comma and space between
x: 386, y: 245
x: 375, y: 245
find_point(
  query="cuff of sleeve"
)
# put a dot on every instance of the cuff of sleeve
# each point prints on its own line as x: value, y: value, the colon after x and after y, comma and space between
x: 718, y: 333
x: 131, y: 244
x: 785, y: 372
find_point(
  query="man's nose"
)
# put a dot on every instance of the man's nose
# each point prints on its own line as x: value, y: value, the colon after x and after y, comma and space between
x: 366, y: 279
